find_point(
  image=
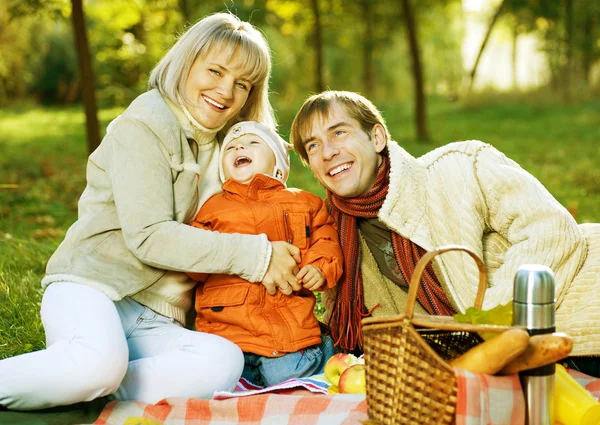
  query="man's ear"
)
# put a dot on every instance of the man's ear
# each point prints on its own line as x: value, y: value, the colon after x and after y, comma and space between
x: 379, y: 137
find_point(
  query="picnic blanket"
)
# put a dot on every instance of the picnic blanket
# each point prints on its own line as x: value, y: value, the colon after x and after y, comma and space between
x: 259, y: 409
x: 498, y: 400
x: 485, y: 399
x: 482, y: 399
x: 286, y: 403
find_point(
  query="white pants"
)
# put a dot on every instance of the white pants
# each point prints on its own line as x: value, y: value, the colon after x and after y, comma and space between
x: 97, y: 347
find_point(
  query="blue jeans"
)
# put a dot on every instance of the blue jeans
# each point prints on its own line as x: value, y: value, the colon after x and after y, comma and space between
x: 267, y: 371
x: 96, y: 347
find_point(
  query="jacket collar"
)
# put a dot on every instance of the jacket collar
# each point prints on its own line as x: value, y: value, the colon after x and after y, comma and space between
x: 403, y: 210
x: 191, y: 127
x: 259, y: 186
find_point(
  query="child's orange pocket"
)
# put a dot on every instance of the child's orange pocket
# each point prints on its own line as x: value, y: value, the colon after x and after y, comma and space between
x: 224, y: 304
x: 297, y: 229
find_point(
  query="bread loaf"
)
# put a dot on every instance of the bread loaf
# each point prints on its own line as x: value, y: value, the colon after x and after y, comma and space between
x: 541, y: 350
x: 492, y: 355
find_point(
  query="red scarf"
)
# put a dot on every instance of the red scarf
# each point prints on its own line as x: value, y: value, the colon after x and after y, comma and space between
x: 349, y: 308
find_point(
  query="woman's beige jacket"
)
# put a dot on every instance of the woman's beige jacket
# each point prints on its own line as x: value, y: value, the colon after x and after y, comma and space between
x: 145, y: 181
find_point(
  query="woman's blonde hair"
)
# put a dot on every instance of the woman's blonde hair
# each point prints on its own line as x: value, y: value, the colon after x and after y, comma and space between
x: 220, y: 32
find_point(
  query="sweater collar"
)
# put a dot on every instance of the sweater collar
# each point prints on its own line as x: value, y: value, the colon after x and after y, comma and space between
x: 260, y: 184
x: 191, y: 127
x: 404, y: 207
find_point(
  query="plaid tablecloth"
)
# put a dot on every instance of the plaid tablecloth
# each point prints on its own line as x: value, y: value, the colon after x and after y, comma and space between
x: 498, y: 400
x: 488, y: 400
x: 259, y: 409
x: 482, y: 399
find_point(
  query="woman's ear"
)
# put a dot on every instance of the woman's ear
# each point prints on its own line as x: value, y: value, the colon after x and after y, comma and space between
x: 379, y: 137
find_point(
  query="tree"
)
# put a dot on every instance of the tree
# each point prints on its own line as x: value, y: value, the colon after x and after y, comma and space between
x: 484, y: 43
x: 588, y: 47
x: 569, y: 48
x: 368, y: 46
x: 417, y: 71
x: 318, y: 47
x: 513, y: 61
x: 87, y: 76
x: 186, y: 13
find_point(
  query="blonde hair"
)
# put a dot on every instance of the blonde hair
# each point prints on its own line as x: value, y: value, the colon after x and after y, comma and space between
x: 358, y: 108
x: 220, y: 32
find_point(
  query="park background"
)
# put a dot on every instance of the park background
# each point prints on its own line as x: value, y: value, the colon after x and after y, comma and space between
x: 523, y: 75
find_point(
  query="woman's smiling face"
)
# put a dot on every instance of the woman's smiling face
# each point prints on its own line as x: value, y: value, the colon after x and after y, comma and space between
x: 217, y: 89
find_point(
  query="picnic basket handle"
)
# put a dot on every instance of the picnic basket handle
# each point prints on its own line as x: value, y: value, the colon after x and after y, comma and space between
x: 415, y: 279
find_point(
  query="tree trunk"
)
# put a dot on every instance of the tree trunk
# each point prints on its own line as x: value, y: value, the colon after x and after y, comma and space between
x: 484, y: 43
x: 588, y: 49
x: 87, y: 76
x: 368, y: 45
x: 569, y: 48
x: 318, y: 47
x: 515, y: 39
x: 417, y: 71
x: 184, y: 8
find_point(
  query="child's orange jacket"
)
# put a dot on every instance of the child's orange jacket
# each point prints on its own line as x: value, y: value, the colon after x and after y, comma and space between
x: 243, y: 312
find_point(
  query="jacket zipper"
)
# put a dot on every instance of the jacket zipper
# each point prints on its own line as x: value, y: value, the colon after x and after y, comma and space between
x: 288, y: 234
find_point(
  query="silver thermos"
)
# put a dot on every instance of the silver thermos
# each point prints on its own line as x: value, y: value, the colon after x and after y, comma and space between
x: 533, y: 308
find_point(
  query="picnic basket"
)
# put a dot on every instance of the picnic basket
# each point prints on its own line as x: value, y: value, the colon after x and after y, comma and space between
x: 408, y: 377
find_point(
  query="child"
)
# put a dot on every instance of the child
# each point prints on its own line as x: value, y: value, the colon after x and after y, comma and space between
x: 279, y: 333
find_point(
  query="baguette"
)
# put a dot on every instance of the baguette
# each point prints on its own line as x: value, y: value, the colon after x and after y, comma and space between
x: 492, y: 355
x: 542, y: 350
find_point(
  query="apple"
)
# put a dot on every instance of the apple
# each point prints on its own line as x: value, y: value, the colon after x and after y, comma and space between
x: 353, y: 381
x: 337, y: 364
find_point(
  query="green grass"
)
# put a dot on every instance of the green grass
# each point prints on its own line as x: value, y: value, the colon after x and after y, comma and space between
x: 43, y: 156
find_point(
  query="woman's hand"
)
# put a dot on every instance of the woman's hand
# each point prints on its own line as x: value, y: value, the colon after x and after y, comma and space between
x: 283, y: 269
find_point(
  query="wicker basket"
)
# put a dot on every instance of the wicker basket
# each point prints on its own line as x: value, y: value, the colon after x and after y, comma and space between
x: 408, y: 378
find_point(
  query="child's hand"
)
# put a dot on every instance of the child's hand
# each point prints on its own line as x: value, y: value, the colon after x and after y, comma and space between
x: 310, y: 277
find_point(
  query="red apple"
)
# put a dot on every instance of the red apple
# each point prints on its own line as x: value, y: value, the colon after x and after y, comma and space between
x: 353, y: 381
x: 337, y: 364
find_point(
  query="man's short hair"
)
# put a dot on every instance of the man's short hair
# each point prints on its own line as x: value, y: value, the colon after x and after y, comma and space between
x: 358, y: 107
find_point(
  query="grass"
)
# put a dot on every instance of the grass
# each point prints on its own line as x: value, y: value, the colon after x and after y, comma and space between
x: 42, y: 174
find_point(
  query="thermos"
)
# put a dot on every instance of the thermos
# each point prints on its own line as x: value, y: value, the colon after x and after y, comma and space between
x: 533, y: 308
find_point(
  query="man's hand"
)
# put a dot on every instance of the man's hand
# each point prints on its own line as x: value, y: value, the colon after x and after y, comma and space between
x: 310, y: 277
x: 283, y: 269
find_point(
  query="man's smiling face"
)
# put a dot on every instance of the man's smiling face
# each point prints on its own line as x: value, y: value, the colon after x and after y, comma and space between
x: 341, y: 155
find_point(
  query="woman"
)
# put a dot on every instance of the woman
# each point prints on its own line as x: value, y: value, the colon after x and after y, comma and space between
x: 116, y: 296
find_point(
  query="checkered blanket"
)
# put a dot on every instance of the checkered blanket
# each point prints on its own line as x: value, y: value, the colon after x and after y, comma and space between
x: 259, y: 409
x: 498, y: 400
x: 482, y: 399
x: 485, y: 399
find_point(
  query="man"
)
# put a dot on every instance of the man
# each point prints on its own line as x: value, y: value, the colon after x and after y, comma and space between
x: 391, y: 207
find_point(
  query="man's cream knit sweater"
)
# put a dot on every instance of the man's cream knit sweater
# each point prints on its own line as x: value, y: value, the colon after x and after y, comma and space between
x: 469, y: 193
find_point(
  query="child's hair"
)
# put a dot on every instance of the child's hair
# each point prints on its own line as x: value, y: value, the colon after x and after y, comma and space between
x: 279, y: 146
x: 220, y: 32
